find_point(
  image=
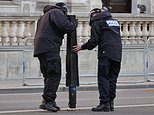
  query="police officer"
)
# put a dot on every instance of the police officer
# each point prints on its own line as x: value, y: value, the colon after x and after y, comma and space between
x: 105, y: 32
x: 51, y: 28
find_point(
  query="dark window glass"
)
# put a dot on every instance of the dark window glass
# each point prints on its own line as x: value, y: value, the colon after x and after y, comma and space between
x: 118, y: 6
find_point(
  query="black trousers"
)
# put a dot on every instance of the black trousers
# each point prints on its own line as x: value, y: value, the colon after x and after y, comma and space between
x: 50, y: 65
x: 108, y: 71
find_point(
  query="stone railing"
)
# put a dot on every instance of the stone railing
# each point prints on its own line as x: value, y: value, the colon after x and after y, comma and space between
x: 134, y: 32
x: 14, y: 29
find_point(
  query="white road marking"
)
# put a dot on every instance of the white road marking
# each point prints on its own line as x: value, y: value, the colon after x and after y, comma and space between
x: 20, y: 111
x: 80, y: 108
x: 130, y: 106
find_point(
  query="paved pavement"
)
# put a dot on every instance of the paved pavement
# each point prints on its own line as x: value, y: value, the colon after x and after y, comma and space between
x: 18, y: 98
x: 128, y: 102
x: 86, y: 84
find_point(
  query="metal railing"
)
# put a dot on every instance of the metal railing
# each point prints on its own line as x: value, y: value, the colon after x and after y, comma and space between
x: 134, y: 31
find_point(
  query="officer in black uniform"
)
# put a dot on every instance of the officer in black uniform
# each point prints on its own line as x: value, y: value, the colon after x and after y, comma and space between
x: 105, y: 32
x: 51, y: 28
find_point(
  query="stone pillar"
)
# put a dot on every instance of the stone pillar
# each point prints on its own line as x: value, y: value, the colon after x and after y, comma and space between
x: 145, y: 30
x: 27, y: 32
x: 151, y: 32
x: 138, y: 32
x: 13, y: 32
x: 5, y: 33
x: 151, y: 29
x: 20, y: 33
x: 121, y: 32
x: 126, y: 32
x: 132, y: 32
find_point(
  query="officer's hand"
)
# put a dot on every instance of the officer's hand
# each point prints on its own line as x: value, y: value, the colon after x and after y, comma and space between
x: 76, y: 48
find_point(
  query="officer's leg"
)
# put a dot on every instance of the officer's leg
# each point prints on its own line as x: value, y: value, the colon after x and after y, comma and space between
x: 103, y: 81
x: 43, y: 68
x: 52, y: 80
x: 52, y: 83
x: 113, y: 76
x: 103, y: 84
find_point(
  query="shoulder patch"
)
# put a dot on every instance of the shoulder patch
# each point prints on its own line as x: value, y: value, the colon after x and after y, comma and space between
x: 112, y: 23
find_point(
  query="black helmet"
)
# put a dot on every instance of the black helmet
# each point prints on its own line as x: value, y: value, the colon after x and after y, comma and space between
x: 63, y: 6
x: 94, y: 11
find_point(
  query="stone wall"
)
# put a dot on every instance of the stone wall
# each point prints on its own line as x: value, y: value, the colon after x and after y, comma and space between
x: 79, y: 7
x: 95, y: 4
x: 152, y: 6
x: 34, y: 7
x: 17, y: 60
x: 14, y: 63
x: 17, y: 56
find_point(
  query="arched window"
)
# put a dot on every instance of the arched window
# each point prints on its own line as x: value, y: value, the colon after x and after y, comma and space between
x: 118, y: 6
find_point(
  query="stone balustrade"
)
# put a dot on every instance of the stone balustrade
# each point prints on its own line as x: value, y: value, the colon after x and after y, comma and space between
x: 14, y: 29
x: 134, y: 32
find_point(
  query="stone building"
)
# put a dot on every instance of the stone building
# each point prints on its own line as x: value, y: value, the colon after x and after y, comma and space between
x: 18, y: 24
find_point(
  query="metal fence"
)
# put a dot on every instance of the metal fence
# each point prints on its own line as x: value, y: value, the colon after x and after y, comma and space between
x: 137, y: 64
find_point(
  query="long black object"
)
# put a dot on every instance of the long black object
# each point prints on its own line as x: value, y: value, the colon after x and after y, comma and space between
x: 72, y: 77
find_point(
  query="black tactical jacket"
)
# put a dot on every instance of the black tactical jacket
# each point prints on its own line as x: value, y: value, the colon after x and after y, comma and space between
x: 105, y: 32
x: 51, y: 28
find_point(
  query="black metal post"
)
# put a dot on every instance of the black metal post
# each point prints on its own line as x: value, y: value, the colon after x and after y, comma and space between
x: 72, y: 77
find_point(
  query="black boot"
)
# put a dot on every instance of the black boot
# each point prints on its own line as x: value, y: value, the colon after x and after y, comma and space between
x: 50, y: 107
x: 55, y: 105
x: 42, y: 106
x: 102, y: 107
x: 111, y: 105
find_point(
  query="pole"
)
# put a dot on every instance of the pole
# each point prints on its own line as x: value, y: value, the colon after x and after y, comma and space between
x: 23, y: 63
x: 72, y: 77
x: 146, y: 60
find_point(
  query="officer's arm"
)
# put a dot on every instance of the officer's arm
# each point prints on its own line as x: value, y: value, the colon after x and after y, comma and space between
x: 62, y: 22
x: 94, y: 39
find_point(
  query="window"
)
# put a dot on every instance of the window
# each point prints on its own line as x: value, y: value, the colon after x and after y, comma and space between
x: 118, y: 6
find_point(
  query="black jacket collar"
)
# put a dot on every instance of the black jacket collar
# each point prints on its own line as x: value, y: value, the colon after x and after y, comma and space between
x: 100, y: 16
